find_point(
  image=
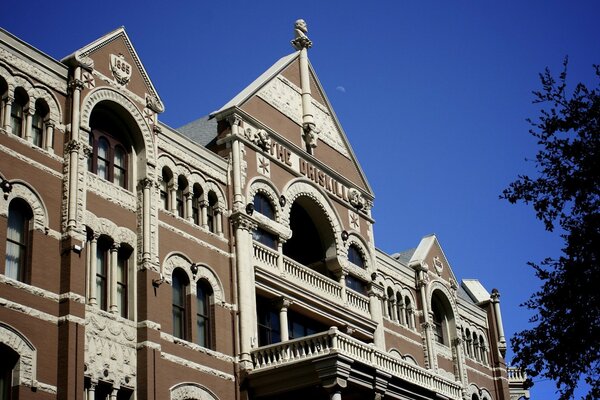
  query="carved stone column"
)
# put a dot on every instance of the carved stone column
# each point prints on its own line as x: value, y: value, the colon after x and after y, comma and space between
x: 91, y: 393
x: 375, y: 293
x: 29, y: 122
x: 172, y: 193
x: 238, y: 199
x: 495, y: 299
x: 93, y: 269
x: 7, y: 111
x: 189, y: 214
x: 49, y: 140
x: 113, y: 394
x: 112, y: 278
x: 243, y: 227
x: 75, y: 86
x: 460, y: 358
x: 146, y: 186
x: 423, y: 280
x: 204, y: 213
x: 219, y: 221
x: 284, y: 304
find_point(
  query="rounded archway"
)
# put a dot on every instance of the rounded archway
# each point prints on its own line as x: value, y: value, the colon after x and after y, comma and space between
x: 313, y: 241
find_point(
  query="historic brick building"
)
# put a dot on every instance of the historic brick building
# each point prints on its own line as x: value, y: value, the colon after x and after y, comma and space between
x: 232, y: 258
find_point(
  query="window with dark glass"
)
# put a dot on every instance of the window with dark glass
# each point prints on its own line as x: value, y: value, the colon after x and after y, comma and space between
x: 121, y: 281
x: 408, y: 312
x: 355, y: 256
x: 438, y: 323
x: 102, y: 265
x: 263, y: 205
x: 265, y: 237
x: 18, y: 238
x: 164, y: 188
x: 356, y: 284
x: 37, y: 125
x: 110, y: 151
x: 300, y: 325
x: 203, y: 321
x: 268, y: 323
x: 17, y: 111
x: 180, y: 196
x: 8, y: 361
x: 180, y: 284
x: 211, y: 212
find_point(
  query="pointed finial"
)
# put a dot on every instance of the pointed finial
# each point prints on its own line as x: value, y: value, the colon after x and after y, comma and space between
x: 301, y: 41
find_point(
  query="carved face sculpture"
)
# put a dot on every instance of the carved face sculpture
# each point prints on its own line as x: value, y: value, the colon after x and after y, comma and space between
x: 301, y: 25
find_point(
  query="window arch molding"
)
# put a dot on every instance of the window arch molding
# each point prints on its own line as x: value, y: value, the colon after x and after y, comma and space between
x: 41, y: 93
x: 26, y: 368
x: 258, y: 185
x: 211, y: 186
x: 302, y: 187
x: 145, y: 150
x: 24, y: 191
x: 446, y: 300
x: 191, y: 391
x: 103, y: 226
x: 481, y: 393
x: 176, y: 260
x: 358, y: 242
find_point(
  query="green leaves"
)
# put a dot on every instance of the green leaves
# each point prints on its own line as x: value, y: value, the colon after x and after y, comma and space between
x: 564, y: 342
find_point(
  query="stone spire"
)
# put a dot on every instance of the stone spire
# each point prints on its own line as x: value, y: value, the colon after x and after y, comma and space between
x: 302, y: 43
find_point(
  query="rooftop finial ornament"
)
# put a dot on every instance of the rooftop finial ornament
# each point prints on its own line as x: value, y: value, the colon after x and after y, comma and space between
x: 301, y: 41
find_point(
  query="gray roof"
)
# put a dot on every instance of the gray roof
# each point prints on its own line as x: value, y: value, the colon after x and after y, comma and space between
x: 202, y: 131
x: 404, y: 256
x: 461, y: 293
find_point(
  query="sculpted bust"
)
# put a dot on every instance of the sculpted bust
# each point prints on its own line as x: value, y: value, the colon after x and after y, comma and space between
x: 301, y: 41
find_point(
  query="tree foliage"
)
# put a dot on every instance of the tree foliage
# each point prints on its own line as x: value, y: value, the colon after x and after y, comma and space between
x: 564, y: 342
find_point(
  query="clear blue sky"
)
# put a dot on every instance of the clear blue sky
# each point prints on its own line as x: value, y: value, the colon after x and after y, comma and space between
x: 432, y: 95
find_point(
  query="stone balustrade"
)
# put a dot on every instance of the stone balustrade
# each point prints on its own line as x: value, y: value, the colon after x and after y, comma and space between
x: 334, y: 341
x: 322, y: 286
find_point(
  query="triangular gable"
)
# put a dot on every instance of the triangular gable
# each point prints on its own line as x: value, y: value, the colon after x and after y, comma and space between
x: 430, y: 252
x: 117, y: 44
x: 279, y: 87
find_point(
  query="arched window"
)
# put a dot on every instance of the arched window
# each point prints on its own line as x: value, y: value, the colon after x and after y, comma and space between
x: 408, y: 312
x: 8, y: 361
x: 180, y: 283
x: 122, y: 280
x: 356, y: 284
x: 102, y: 266
x: 390, y: 302
x: 18, y: 240
x: 196, y: 204
x: 211, y: 213
x: 3, y: 99
x: 355, y: 256
x: 110, y: 149
x: 476, y: 347
x: 400, y: 308
x: 474, y: 397
x: 204, y: 294
x: 37, y: 123
x: 263, y: 205
x: 167, y: 176
x: 483, y: 350
x: 439, y: 322
x: 180, y: 195
x: 17, y: 111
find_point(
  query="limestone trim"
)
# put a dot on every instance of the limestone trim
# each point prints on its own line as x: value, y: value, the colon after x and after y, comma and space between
x: 16, y: 62
x: 25, y: 371
x: 481, y: 393
x: 198, y: 367
x: 29, y: 311
x: 196, y: 347
x: 301, y: 187
x: 106, y: 94
x: 437, y: 285
x: 34, y: 290
x: 202, y: 243
x: 191, y: 391
x: 27, y: 193
x: 361, y: 245
x: 103, y: 226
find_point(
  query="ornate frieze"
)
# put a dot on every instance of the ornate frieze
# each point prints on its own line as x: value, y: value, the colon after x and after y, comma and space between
x: 110, y: 349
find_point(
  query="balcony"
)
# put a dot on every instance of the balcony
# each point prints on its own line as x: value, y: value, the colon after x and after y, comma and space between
x: 302, y: 276
x: 517, y: 383
x: 349, y: 358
